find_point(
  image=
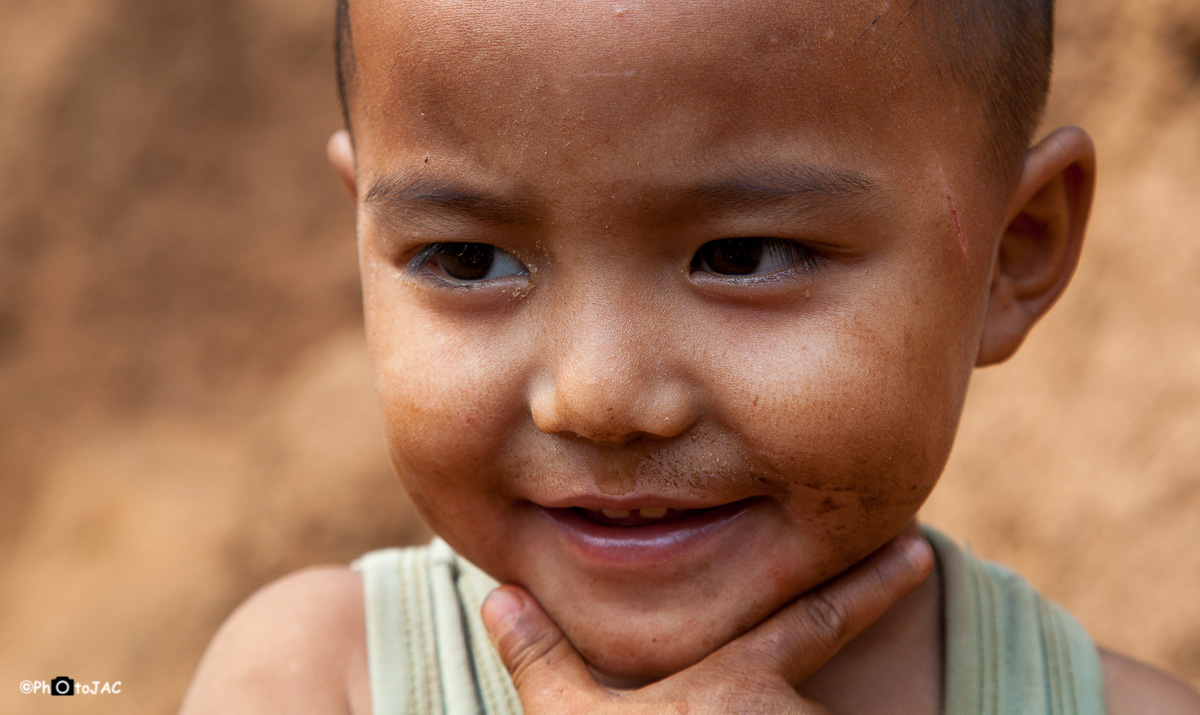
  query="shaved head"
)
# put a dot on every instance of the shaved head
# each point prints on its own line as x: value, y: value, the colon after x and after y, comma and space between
x: 998, y: 52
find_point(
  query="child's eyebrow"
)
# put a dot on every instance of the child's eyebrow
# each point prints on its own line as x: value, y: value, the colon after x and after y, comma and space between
x: 414, y: 200
x: 403, y: 198
x: 769, y: 186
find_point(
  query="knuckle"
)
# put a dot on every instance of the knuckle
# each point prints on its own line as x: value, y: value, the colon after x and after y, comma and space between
x: 527, y: 652
x: 828, y: 619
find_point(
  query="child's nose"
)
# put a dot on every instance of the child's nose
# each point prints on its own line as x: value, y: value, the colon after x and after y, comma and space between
x: 612, y: 376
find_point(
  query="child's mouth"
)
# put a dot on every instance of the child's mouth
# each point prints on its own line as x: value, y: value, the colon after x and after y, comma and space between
x: 648, y: 536
x: 635, y: 517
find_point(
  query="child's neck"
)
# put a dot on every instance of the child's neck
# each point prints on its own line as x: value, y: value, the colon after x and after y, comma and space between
x: 896, y: 665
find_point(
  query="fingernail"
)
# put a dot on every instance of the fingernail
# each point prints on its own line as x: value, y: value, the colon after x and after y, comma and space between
x: 918, y: 551
x: 501, y: 608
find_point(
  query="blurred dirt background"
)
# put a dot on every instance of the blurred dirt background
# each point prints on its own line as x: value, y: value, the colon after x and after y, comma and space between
x: 186, y: 409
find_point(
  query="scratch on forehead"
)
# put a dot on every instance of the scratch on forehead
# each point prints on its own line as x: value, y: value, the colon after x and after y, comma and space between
x: 955, y: 214
x: 874, y: 28
x: 874, y: 22
x: 954, y: 217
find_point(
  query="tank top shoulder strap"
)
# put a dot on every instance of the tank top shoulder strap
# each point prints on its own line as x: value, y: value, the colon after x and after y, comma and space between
x: 427, y: 650
x: 1010, y: 651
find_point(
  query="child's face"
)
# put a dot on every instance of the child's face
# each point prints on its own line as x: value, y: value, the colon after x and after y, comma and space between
x: 606, y: 355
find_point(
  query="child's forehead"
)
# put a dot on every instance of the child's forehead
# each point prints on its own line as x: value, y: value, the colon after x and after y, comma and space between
x: 715, y: 72
x: 605, y: 31
x: 524, y: 45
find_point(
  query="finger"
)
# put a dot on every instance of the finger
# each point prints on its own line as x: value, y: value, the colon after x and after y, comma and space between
x: 539, y: 657
x: 806, y: 633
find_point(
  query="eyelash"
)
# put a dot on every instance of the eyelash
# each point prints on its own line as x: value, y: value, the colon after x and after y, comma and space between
x: 468, y: 256
x: 789, y: 255
x: 723, y: 257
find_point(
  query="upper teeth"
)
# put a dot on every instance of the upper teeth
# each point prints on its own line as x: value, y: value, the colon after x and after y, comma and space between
x: 648, y: 512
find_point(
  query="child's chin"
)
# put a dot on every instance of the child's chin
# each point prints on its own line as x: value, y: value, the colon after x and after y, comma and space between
x: 649, y: 641
x: 629, y: 674
x: 627, y: 663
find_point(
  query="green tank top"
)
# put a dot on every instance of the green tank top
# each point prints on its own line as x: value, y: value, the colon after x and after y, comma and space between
x: 1008, y: 650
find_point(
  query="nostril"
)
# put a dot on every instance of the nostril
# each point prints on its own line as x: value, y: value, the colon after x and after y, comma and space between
x: 611, y: 412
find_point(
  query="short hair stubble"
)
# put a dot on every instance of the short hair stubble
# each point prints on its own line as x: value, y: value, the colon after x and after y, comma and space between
x: 1000, y: 51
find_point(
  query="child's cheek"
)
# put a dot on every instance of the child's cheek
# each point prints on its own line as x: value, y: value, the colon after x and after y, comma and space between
x: 448, y: 399
x: 847, y: 423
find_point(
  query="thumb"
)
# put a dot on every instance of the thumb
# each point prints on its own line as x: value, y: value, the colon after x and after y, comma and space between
x: 539, y: 657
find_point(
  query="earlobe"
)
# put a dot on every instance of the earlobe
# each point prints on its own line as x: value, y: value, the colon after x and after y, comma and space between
x: 340, y: 150
x: 1043, y: 235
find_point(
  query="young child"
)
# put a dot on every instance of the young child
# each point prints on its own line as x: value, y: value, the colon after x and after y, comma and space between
x: 673, y: 307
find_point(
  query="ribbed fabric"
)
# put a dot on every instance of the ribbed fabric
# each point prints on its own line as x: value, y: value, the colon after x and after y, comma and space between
x: 1008, y: 650
x: 427, y: 649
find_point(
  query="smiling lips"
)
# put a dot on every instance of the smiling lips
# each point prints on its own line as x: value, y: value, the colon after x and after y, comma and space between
x: 648, y: 536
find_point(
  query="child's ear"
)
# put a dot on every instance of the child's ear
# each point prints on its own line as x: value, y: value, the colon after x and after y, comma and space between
x: 340, y: 150
x: 1045, y: 220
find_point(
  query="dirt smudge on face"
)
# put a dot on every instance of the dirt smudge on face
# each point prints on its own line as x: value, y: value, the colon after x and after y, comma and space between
x: 828, y: 505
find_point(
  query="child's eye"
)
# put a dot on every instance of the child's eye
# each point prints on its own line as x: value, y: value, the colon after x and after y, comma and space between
x: 751, y: 256
x: 468, y: 262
